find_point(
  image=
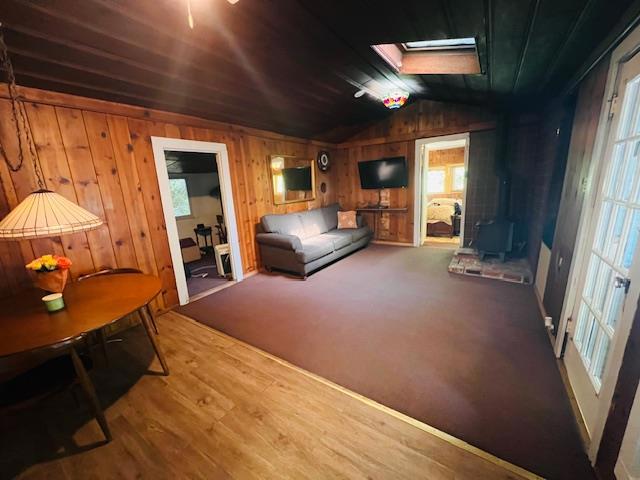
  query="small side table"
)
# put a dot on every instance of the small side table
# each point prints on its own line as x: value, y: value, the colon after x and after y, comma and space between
x: 204, y: 232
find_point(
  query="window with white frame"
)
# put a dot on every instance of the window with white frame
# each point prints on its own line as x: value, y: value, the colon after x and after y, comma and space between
x: 180, y: 197
x: 457, y: 178
x: 436, y: 180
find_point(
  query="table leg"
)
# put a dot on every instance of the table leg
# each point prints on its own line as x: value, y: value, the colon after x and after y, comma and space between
x: 153, y: 320
x: 103, y: 343
x: 146, y: 321
x: 87, y: 386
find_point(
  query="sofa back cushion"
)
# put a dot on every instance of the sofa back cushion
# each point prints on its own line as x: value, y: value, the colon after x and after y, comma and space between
x: 330, y: 215
x: 313, y: 222
x: 287, y: 224
x: 303, y: 224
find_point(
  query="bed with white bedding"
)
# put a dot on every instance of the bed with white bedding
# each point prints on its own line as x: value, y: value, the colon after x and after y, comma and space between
x: 440, y: 213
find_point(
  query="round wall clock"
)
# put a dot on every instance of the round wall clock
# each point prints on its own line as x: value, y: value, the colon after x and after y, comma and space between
x: 323, y: 161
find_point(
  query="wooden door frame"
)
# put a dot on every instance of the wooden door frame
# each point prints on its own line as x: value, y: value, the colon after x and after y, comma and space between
x: 162, y: 144
x: 418, y: 174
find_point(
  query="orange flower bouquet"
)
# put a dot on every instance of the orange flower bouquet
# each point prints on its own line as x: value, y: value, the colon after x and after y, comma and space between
x: 51, y: 272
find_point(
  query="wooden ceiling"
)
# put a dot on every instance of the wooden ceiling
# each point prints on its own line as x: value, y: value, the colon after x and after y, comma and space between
x: 292, y: 66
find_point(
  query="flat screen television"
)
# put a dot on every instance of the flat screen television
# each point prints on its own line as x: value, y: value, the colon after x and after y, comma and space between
x: 384, y: 173
x: 297, y: 178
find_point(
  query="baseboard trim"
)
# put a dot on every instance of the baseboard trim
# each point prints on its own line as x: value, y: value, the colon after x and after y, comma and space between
x: 378, y: 406
x: 387, y: 242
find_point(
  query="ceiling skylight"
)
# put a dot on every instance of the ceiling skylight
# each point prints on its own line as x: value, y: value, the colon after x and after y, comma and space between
x: 432, y: 57
x: 445, y: 43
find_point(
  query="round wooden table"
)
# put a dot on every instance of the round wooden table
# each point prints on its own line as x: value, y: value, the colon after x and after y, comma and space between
x: 90, y: 305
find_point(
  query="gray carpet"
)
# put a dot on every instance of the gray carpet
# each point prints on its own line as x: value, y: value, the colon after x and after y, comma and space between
x: 468, y: 356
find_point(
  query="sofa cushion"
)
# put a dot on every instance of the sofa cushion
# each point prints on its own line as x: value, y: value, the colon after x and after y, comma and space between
x: 357, y: 233
x: 287, y: 224
x: 330, y: 215
x: 341, y: 238
x: 347, y: 220
x: 314, y: 248
x: 313, y: 223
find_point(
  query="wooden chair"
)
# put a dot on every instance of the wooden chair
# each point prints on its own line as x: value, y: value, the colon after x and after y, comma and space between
x: 115, y: 271
x: 62, y: 372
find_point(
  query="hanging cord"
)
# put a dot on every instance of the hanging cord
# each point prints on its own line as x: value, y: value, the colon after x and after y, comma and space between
x: 18, y: 117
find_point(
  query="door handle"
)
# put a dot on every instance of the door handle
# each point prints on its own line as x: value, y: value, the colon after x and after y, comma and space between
x: 619, y: 282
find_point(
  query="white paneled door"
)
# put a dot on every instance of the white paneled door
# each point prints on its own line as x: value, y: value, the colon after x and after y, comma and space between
x: 609, y: 276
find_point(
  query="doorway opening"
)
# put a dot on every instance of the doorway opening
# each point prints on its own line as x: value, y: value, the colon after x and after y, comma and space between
x: 195, y: 188
x: 197, y: 207
x: 442, y: 184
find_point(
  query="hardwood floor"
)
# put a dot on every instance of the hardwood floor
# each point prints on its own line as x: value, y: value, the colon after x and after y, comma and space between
x: 227, y: 411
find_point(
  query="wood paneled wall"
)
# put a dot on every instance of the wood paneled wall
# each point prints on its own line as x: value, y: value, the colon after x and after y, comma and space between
x: 396, y: 136
x: 99, y: 155
x: 583, y: 135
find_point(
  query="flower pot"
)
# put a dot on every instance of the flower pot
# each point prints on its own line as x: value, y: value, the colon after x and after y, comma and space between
x: 53, y: 281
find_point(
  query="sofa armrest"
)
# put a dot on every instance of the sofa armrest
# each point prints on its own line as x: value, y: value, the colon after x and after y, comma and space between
x: 288, y: 242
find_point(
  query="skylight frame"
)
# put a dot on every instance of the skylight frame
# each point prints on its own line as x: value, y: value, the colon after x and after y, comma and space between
x: 441, y: 44
x: 453, y: 56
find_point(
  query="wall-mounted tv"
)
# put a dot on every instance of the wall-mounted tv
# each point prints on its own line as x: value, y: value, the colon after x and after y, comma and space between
x: 384, y: 173
x: 297, y: 178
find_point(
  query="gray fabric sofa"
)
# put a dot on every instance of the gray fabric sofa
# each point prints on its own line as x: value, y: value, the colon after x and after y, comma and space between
x: 305, y: 241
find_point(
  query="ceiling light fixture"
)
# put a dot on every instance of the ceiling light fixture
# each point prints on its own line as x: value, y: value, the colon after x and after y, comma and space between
x: 42, y: 213
x: 359, y: 93
x: 395, y: 99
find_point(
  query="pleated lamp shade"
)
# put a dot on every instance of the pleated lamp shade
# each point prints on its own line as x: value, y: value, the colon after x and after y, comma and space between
x: 46, y: 214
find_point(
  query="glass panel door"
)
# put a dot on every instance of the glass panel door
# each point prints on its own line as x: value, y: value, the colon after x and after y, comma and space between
x: 614, y: 243
x: 609, y: 275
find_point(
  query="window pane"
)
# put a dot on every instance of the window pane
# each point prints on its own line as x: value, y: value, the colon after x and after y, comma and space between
x: 458, y: 178
x: 632, y: 240
x: 615, y: 170
x: 435, y: 181
x: 619, y: 216
x: 603, y: 283
x: 630, y: 172
x: 179, y: 197
x: 590, y: 340
x: 601, y: 357
x: 581, y: 326
x: 613, y: 308
x: 630, y: 96
x: 592, y: 273
x: 603, y: 225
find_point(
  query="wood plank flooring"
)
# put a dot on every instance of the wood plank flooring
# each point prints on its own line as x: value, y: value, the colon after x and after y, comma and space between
x: 227, y: 411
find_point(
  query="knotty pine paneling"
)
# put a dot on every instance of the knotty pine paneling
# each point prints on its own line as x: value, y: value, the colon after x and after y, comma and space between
x: 98, y: 154
x: 396, y: 136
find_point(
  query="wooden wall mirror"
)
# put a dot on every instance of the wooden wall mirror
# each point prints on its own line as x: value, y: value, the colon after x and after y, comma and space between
x: 292, y: 179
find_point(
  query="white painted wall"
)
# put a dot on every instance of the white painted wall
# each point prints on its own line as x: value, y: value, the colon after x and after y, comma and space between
x: 544, y: 259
